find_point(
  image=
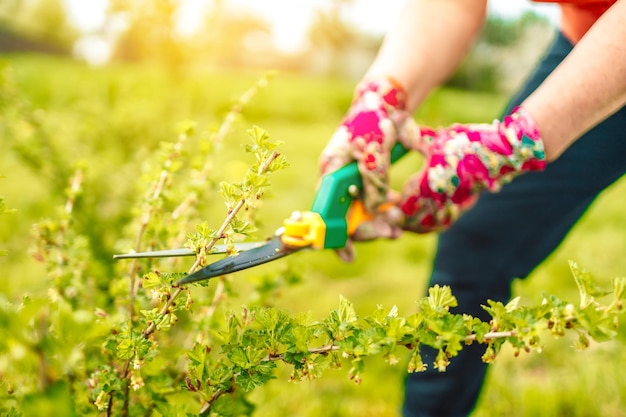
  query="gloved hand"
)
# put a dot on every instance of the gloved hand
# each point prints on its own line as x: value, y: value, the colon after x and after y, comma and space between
x: 466, y: 160
x: 376, y: 120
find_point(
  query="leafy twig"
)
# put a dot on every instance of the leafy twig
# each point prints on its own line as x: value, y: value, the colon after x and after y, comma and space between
x: 146, y: 216
x: 219, y: 235
x: 219, y: 136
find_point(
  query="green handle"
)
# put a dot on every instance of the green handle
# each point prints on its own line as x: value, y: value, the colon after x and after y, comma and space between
x: 333, y: 199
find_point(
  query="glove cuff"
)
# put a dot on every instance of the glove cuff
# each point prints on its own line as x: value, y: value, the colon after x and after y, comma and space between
x: 527, y: 145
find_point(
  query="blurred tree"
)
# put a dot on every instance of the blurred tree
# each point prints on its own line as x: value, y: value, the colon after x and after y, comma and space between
x: 43, y: 23
x: 343, y: 45
x: 503, y: 53
x: 500, y: 31
x: 232, y: 38
x: 227, y: 37
x: 329, y: 30
x: 150, y: 32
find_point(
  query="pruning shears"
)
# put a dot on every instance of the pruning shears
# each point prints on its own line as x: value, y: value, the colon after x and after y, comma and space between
x: 335, y: 214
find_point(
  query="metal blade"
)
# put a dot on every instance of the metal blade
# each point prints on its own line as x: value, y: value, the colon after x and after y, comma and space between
x: 156, y: 254
x: 217, y: 249
x: 273, y: 249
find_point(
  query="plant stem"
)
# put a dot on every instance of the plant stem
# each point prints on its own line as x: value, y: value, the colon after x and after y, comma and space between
x: 219, y: 234
x: 219, y: 291
x: 492, y: 335
x: 238, y: 107
x: 332, y: 347
x: 72, y: 193
x: 147, y: 216
x: 219, y: 136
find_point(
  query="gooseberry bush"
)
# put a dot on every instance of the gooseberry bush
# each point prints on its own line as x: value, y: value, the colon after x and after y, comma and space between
x: 127, y: 340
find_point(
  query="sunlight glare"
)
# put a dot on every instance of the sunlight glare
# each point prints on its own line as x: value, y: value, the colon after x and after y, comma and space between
x: 87, y: 15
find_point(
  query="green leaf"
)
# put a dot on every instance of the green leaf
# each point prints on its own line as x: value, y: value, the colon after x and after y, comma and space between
x: 255, y: 377
x: 229, y: 191
x: 125, y: 348
x: 152, y: 280
x: 586, y: 285
x: 598, y: 323
x: 276, y: 324
x: 242, y: 227
x: 255, y: 181
x: 346, y: 311
x: 441, y: 297
x: 238, y: 356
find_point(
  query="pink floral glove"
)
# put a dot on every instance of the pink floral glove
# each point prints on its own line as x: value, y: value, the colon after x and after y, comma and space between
x: 465, y: 160
x: 376, y: 120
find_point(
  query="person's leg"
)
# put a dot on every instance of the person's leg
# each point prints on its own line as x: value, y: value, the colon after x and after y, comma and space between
x: 505, y: 236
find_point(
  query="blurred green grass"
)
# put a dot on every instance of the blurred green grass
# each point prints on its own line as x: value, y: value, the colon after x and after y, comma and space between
x: 112, y: 118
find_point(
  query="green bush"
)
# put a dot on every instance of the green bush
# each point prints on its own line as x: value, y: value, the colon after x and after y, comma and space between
x: 99, y: 162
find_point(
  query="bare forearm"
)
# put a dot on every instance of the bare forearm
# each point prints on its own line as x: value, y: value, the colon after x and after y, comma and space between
x: 428, y: 43
x: 586, y: 88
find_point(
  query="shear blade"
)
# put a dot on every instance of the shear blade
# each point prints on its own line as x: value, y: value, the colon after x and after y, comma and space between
x: 273, y: 249
x: 217, y: 249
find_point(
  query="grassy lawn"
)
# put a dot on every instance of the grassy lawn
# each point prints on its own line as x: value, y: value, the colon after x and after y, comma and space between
x: 111, y: 119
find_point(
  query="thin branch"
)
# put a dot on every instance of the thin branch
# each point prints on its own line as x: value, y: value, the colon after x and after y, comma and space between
x: 238, y: 107
x: 492, y: 335
x: 217, y: 296
x: 220, y: 135
x: 159, y: 185
x: 74, y: 190
x: 323, y: 350
x: 220, y: 232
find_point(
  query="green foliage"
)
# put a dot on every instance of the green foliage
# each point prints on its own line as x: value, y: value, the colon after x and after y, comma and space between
x: 83, y: 335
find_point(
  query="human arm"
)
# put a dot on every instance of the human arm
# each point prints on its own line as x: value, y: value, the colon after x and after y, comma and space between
x: 426, y: 45
x: 419, y: 52
x: 586, y: 88
x: 432, y: 36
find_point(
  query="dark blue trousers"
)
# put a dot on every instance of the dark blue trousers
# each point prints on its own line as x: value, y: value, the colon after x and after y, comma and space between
x: 505, y: 236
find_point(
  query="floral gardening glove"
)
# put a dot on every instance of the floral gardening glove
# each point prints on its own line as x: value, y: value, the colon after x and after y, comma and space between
x: 465, y: 160
x: 376, y: 120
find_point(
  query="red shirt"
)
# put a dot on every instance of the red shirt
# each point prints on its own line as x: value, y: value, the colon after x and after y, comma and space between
x: 578, y: 16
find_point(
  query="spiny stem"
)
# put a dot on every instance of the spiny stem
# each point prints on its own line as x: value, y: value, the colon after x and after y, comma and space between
x: 332, y: 347
x: 220, y: 135
x: 217, y: 296
x: 159, y: 185
x: 492, y: 335
x: 238, y: 107
x: 73, y: 192
x: 229, y: 218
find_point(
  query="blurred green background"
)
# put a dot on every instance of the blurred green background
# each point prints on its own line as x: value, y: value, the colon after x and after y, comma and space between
x: 58, y: 109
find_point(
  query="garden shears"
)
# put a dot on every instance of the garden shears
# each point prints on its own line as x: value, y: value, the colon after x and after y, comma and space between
x: 334, y: 216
